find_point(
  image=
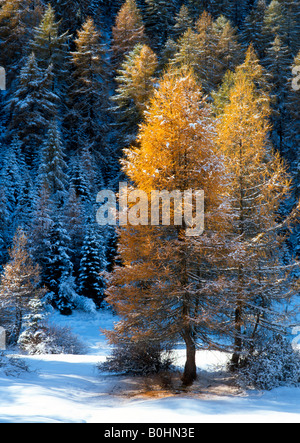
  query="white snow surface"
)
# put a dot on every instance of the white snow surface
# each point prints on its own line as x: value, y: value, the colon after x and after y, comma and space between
x: 70, y: 389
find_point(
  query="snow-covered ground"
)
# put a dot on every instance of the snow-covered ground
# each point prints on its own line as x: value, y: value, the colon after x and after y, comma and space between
x: 69, y: 389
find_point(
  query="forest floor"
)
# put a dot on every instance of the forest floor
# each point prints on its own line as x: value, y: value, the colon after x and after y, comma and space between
x: 70, y: 389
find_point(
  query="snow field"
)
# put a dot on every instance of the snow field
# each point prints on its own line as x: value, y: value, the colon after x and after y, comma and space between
x: 69, y: 389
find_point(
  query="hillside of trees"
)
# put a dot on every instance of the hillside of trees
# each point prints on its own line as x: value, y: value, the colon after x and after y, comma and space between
x: 166, y: 94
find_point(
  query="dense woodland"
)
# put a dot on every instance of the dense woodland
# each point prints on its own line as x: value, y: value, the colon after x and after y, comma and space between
x: 167, y: 94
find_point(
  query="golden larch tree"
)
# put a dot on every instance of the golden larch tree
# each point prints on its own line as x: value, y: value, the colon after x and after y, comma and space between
x: 259, y: 184
x: 157, y: 291
x: 127, y: 32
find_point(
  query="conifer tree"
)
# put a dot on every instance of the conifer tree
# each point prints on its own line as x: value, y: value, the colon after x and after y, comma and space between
x: 59, y: 268
x: 78, y: 181
x: 196, y: 7
x: 252, y: 29
x: 4, y: 224
x: 135, y: 84
x: 206, y: 50
x: 228, y: 53
x: 292, y: 28
x: 167, y: 55
x: 71, y: 13
x: 31, y: 107
x: 128, y: 31
x: 92, y: 264
x: 235, y: 11
x: 183, y: 22
x: 278, y: 61
x: 187, y: 53
x: 41, y: 225
x: 35, y: 333
x: 293, y: 126
x: 50, y: 47
x: 52, y: 171
x: 18, y: 19
x: 274, y: 23
x: 154, y: 290
x: 253, y: 70
x: 259, y: 183
x: 221, y: 96
x: 15, y: 177
x: 210, y: 51
x: 74, y: 222
x: 19, y: 283
x: 86, y: 119
x: 159, y: 19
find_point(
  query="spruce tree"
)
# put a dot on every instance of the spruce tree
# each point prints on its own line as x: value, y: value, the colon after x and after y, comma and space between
x: 278, y: 61
x: 92, y: 264
x: 135, y: 85
x: 41, y: 225
x: 86, y: 119
x: 4, y: 225
x: 52, y: 170
x: 59, y: 268
x: 31, y: 107
x: 79, y: 182
x: 71, y: 13
x: 196, y: 7
x: 18, y: 19
x: 159, y: 19
x: 252, y: 29
x: 74, y: 223
x: 228, y: 52
x: 15, y: 177
x: 293, y: 126
x: 183, y: 22
x: 235, y: 11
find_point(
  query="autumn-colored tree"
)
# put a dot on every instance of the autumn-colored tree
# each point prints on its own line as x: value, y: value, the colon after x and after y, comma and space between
x: 183, y: 22
x: 128, y: 31
x: 259, y: 184
x: 19, y: 284
x: 210, y: 50
x: 253, y: 71
x: 32, y: 106
x: 252, y: 28
x: 156, y: 291
x: 51, y: 47
x: 17, y: 21
x: 135, y: 84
